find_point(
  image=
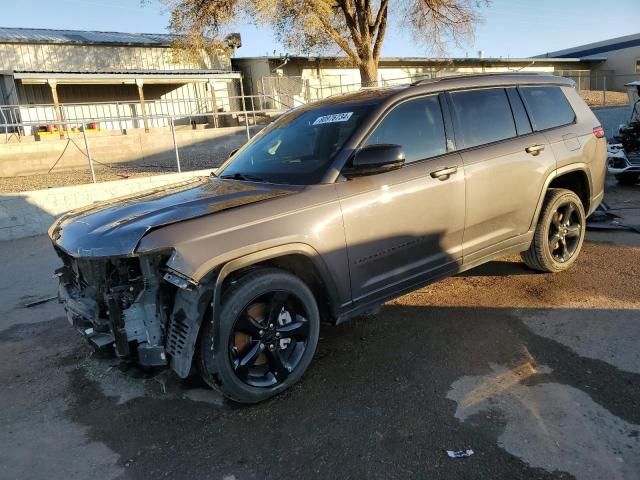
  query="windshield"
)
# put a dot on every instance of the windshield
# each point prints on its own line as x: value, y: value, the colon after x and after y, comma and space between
x: 298, y: 148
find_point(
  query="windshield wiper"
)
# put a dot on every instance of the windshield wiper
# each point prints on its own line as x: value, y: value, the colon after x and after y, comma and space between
x: 243, y: 176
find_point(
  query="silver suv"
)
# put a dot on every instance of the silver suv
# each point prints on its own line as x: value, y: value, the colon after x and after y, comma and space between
x: 336, y: 207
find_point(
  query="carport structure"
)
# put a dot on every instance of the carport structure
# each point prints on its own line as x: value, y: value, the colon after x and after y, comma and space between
x: 123, y: 100
x: 52, y: 76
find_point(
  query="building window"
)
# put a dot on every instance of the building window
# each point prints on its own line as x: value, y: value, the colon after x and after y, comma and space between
x: 637, y: 66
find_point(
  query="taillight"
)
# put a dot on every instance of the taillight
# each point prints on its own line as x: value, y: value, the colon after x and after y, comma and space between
x: 598, y: 132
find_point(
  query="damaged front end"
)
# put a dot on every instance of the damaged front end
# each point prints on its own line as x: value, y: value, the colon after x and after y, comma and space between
x: 120, y: 305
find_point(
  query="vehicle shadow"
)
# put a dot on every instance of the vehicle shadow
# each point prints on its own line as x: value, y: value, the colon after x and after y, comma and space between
x: 374, y: 403
x: 499, y: 268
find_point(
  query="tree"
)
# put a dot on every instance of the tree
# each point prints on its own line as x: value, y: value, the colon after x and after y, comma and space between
x: 357, y: 27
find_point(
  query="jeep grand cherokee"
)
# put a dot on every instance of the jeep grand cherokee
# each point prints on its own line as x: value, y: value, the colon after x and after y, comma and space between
x: 336, y: 207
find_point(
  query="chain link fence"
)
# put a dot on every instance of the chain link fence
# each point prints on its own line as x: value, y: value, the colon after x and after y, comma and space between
x: 104, y: 148
x: 115, y: 140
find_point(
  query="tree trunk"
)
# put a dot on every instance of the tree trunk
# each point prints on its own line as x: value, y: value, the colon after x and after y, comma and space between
x: 368, y: 73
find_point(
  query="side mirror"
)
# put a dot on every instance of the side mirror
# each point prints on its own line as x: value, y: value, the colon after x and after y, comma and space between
x: 373, y: 159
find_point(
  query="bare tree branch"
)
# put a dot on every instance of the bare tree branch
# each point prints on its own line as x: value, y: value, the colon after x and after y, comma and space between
x: 357, y: 27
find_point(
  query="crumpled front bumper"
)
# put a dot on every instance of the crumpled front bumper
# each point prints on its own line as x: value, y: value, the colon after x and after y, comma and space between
x: 83, y: 317
x: 618, y: 161
x: 133, y: 332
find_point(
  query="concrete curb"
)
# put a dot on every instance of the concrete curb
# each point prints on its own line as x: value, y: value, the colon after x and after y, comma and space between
x: 26, y: 214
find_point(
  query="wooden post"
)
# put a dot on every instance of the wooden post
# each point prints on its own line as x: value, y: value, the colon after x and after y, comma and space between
x: 140, y: 84
x: 56, y: 105
x: 214, y: 100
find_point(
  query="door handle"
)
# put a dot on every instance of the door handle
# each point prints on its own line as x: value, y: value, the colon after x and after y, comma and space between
x: 444, y: 173
x: 534, y: 149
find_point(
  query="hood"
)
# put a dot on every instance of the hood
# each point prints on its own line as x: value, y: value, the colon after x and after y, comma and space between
x: 114, y: 228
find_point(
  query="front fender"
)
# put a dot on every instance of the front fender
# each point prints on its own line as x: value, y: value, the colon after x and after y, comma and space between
x: 189, y: 309
x: 275, y: 252
x: 190, y: 306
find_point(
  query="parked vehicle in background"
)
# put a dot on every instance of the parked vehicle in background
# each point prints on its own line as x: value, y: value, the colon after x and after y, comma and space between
x: 624, y: 150
x: 335, y: 208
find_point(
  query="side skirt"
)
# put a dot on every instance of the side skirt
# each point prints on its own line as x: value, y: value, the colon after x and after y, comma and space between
x: 523, y: 242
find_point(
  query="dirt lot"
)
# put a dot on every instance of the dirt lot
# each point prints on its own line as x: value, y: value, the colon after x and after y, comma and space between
x: 538, y: 374
x: 599, y: 98
x: 192, y: 158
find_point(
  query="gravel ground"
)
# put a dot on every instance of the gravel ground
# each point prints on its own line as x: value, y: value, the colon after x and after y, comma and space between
x: 191, y: 158
x: 598, y: 98
x: 538, y: 374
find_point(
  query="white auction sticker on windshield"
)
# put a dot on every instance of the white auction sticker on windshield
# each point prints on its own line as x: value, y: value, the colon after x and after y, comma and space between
x: 336, y: 117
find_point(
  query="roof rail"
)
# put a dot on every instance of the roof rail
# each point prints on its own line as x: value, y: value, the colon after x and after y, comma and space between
x: 426, y: 81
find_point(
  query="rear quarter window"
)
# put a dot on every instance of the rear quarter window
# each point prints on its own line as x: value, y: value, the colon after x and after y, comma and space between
x: 548, y: 107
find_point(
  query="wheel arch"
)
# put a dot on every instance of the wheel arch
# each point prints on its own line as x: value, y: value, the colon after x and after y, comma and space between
x: 574, y: 177
x: 191, y: 306
x: 300, y: 259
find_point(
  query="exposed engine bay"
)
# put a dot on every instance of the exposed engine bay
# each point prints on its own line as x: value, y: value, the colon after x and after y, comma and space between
x: 120, y: 305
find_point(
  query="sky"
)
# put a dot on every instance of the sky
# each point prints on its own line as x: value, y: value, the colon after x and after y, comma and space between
x: 511, y: 28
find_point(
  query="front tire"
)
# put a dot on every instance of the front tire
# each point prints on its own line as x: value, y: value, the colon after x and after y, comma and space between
x: 559, y: 234
x: 263, y: 339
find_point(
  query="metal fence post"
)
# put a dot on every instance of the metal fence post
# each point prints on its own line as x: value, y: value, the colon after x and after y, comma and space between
x: 6, y: 128
x: 86, y: 145
x: 119, y: 118
x: 604, y: 91
x: 246, y: 124
x: 175, y: 143
x: 244, y: 108
x: 253, y: 110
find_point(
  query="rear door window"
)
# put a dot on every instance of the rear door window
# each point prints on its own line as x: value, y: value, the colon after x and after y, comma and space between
x: 415, y: 125
x: 548, y: 107
x: 483, y: 116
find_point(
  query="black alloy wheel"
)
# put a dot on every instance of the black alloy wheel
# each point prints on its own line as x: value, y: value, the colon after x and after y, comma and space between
x: 262, y: 337
x: 565, y: 231
x: 269, y: 339
x: 559, y: 232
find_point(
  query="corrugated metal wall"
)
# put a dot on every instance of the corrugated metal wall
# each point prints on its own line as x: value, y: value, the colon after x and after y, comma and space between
x: 92, y: 58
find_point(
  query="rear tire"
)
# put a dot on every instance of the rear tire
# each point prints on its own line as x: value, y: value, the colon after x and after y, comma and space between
x: 263, y: 338
x: 627, y: 179
x: 559, y: 233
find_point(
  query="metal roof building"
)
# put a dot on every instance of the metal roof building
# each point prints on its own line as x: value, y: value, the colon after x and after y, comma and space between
x: 81, y: 37
x: 293, y: 80
x: 620, y: 55
x: 73, y: 67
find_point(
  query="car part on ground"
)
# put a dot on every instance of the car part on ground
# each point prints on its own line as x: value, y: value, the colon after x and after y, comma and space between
x: 605, y: 218
x: 623, y: 153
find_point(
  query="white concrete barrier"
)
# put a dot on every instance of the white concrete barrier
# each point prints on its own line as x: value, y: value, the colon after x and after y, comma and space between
x: 26, y: 214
